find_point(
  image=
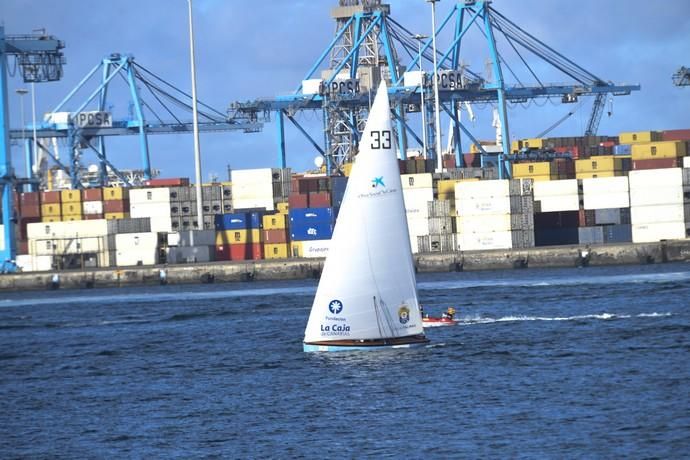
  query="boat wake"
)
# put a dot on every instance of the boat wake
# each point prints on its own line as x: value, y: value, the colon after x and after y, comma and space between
x: 518, y: 318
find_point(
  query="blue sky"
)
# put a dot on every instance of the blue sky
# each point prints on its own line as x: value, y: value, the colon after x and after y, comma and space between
x: 262, y: 48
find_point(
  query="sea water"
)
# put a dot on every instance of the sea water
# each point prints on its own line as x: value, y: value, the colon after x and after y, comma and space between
x: 587, y: 363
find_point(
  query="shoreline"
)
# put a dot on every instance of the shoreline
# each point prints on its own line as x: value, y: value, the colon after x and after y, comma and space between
x: 300, y: 268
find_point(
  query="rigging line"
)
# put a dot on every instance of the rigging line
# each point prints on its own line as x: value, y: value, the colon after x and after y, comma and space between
x: 510, y: 42
x: 181, y: 103
x: 146, y: 83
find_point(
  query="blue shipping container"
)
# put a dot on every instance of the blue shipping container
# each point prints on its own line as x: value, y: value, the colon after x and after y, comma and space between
x: 623, y: 149
x: 617, y: 233
x: 238, y: 221
x: 311, y: 231
x: 304, y: 216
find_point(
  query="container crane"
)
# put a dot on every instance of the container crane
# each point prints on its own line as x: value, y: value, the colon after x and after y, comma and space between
x: 682, y: 77
x: 365, y: 29
x: 40, y: 58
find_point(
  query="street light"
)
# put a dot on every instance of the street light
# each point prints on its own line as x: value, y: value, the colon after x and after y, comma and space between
x: 439, y: 166
x: 420, y: 38
x: 195, y: 123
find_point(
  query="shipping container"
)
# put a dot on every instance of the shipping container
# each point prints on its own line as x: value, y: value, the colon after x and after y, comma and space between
x: 484, y: 188
x: 482, y: 205
x: 115, y: 193
x: 167, y: 182
x: 446, y: 242
x: 149, y: 196
x: 657, y: 163
x: 655, y: 196
x: 309, y: 249
x: 243, y: 236
x: 29, y: 199
x: 92, y: 207
x: 423, y: 180
x: 676, y: 135
x: 534, y: 169
x: 191, y: 254
x: 484, y: 241
x: 51, y: 210
x: 311, y: 230
x: 309, y: 215
x: 275, y: 251
x: 558, y: 203
x: 136, y: 249
x: 319, y: 199
x: 116, y: 206
x: 555, y: 236
x: 653, y: 178
x: 71, y: 208
x: 639, y: 136
x: 248, y: 251
x: 70, y: 196
x: 275, y: 236
x: 652, y: 232
x: 274, y: 221
x: 116, y: 215
x: 50, y: 197
x: 657, y: 213
x: 623, y: 149
x: 656, y: 150
x: 239, y: 221
x: 28, y: 210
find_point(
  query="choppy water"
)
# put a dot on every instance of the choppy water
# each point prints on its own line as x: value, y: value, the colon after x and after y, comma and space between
x: 546, y: 363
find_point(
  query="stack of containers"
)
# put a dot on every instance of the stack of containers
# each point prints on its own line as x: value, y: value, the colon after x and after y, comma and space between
x: 115, y: 203
x: 441, y: 237
x: 657, y: 205
x: 153, y: 203
x: 252, y: 189
x: 418, y: 191
x: 275, y: 236
x: 51, y: 206
x: 71, y: 205
x: 281, y: 184
x: 191, y: 246
x: 29, y: 212
x: 557, y: 195
x: 656, y: 155
x: 61, y: 240
x: 601, y: 166
x: 310, y: 192
x: 311, y: 230
x: 605, y: 213
x: 93, y: 204
x: 238, y: 236
x: 211, y: 203
x: 494, y: 214
x: 179, y: 195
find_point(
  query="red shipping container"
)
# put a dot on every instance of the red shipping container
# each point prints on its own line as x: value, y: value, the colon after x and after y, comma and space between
x: 171, y: 182
x: 33, y: 210
x: 94, y: 216
x: 296, y: 200
x: 275, y: 236
x: 30, y: 199
x: 471, y: 160
x: 21, y: 226
x: 51, y: 197
x: 253, y: 251
x: 116, y: 206
x: 657, y: 163
x: 22, y: 247
x: 319, y: 200
x: 676, y: 135
x: 223, y: 252
x: 449, y: 161
x: 93, y: 194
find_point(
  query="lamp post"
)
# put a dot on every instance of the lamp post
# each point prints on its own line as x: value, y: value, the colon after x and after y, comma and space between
x: 439, y: 164
x: 195, y: 123
x: 420, y: 38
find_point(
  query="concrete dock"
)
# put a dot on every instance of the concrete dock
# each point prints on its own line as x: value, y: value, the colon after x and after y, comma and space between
x: 290, y: 269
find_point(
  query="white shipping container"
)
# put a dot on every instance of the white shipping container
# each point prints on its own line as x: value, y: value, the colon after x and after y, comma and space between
x: 161, y: 224
x: 24, y: 262
x: 483, y: 224
x: 252, y: 203
x: 86, y: 245
x: 650, y: 233
x: 93, y: 207
x: 315, y: 248
x: 136, y: 249
x: 422, y: 180
x: 173, y: 239
x: 557, y: 202
x: 603, y: 185
x: 418, y: 226
x: 550, y: 188
x: 657, y: 195
x: 482, y: 205
x: 686, y: 162
x: 29, y: 263
x: 240, y: 177
x: 481, y: 241
x: 71, y: 229
x: 482, y: 189
x: 651, y: 178
x: 149, y: 195
x: 657, y: 214
x: 417, y: 201
x: 151, y: 209
x: 254, y: 190
x: 604, y: 200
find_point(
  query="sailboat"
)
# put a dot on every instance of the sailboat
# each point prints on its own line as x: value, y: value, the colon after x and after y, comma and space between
x: 367, y: 294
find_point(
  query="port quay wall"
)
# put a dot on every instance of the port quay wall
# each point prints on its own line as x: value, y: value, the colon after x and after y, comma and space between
x: 292, y: 269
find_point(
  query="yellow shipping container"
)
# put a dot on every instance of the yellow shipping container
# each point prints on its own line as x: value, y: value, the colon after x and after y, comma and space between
x: 116, y: 215
x: 282, y: 208
x: 276, y: 251
x: 50, y: 219
x: 446, y: 196
x: 639, y: 136
x: 653, y: 150
x: 70, y: 196
x: 347, y: 169
x: 51, y: 210
x: 533, y: 143
x: 115, y: 193
x: 515, y: 146
x: 600, y: 163
x: 446, y: 186
x: 71, y: 217
x: 593, y: 175
x: 275, y: 221
x: 542, y: 168
x: 71, y: 208
x: 238, y: 237
x: 543, y: 177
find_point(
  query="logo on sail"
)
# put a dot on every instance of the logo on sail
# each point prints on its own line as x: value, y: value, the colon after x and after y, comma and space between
x: 376, y: 181
x: 335, y: 306
x: 404, y: 314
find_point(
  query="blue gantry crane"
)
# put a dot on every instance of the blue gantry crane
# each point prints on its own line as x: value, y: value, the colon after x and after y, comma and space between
x: 40, y: 59
x: 368, y: 46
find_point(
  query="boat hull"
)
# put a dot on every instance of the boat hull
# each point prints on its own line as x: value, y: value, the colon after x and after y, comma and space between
x: 367, y: 345
x: 439, y: 322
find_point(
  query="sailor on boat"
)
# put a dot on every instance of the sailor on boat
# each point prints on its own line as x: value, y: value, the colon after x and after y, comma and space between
x: 449, y: 313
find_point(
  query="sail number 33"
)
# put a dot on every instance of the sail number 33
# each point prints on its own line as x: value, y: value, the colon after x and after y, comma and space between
x: 381, y: 139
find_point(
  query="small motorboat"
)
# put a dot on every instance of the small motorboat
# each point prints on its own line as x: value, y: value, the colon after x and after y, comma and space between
x: 430, y: 321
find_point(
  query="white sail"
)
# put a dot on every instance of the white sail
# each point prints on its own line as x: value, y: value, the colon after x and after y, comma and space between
x: 368, y: 289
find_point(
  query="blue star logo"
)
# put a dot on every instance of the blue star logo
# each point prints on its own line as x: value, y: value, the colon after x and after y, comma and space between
x: 336, y: 306
x: 376, y: 181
